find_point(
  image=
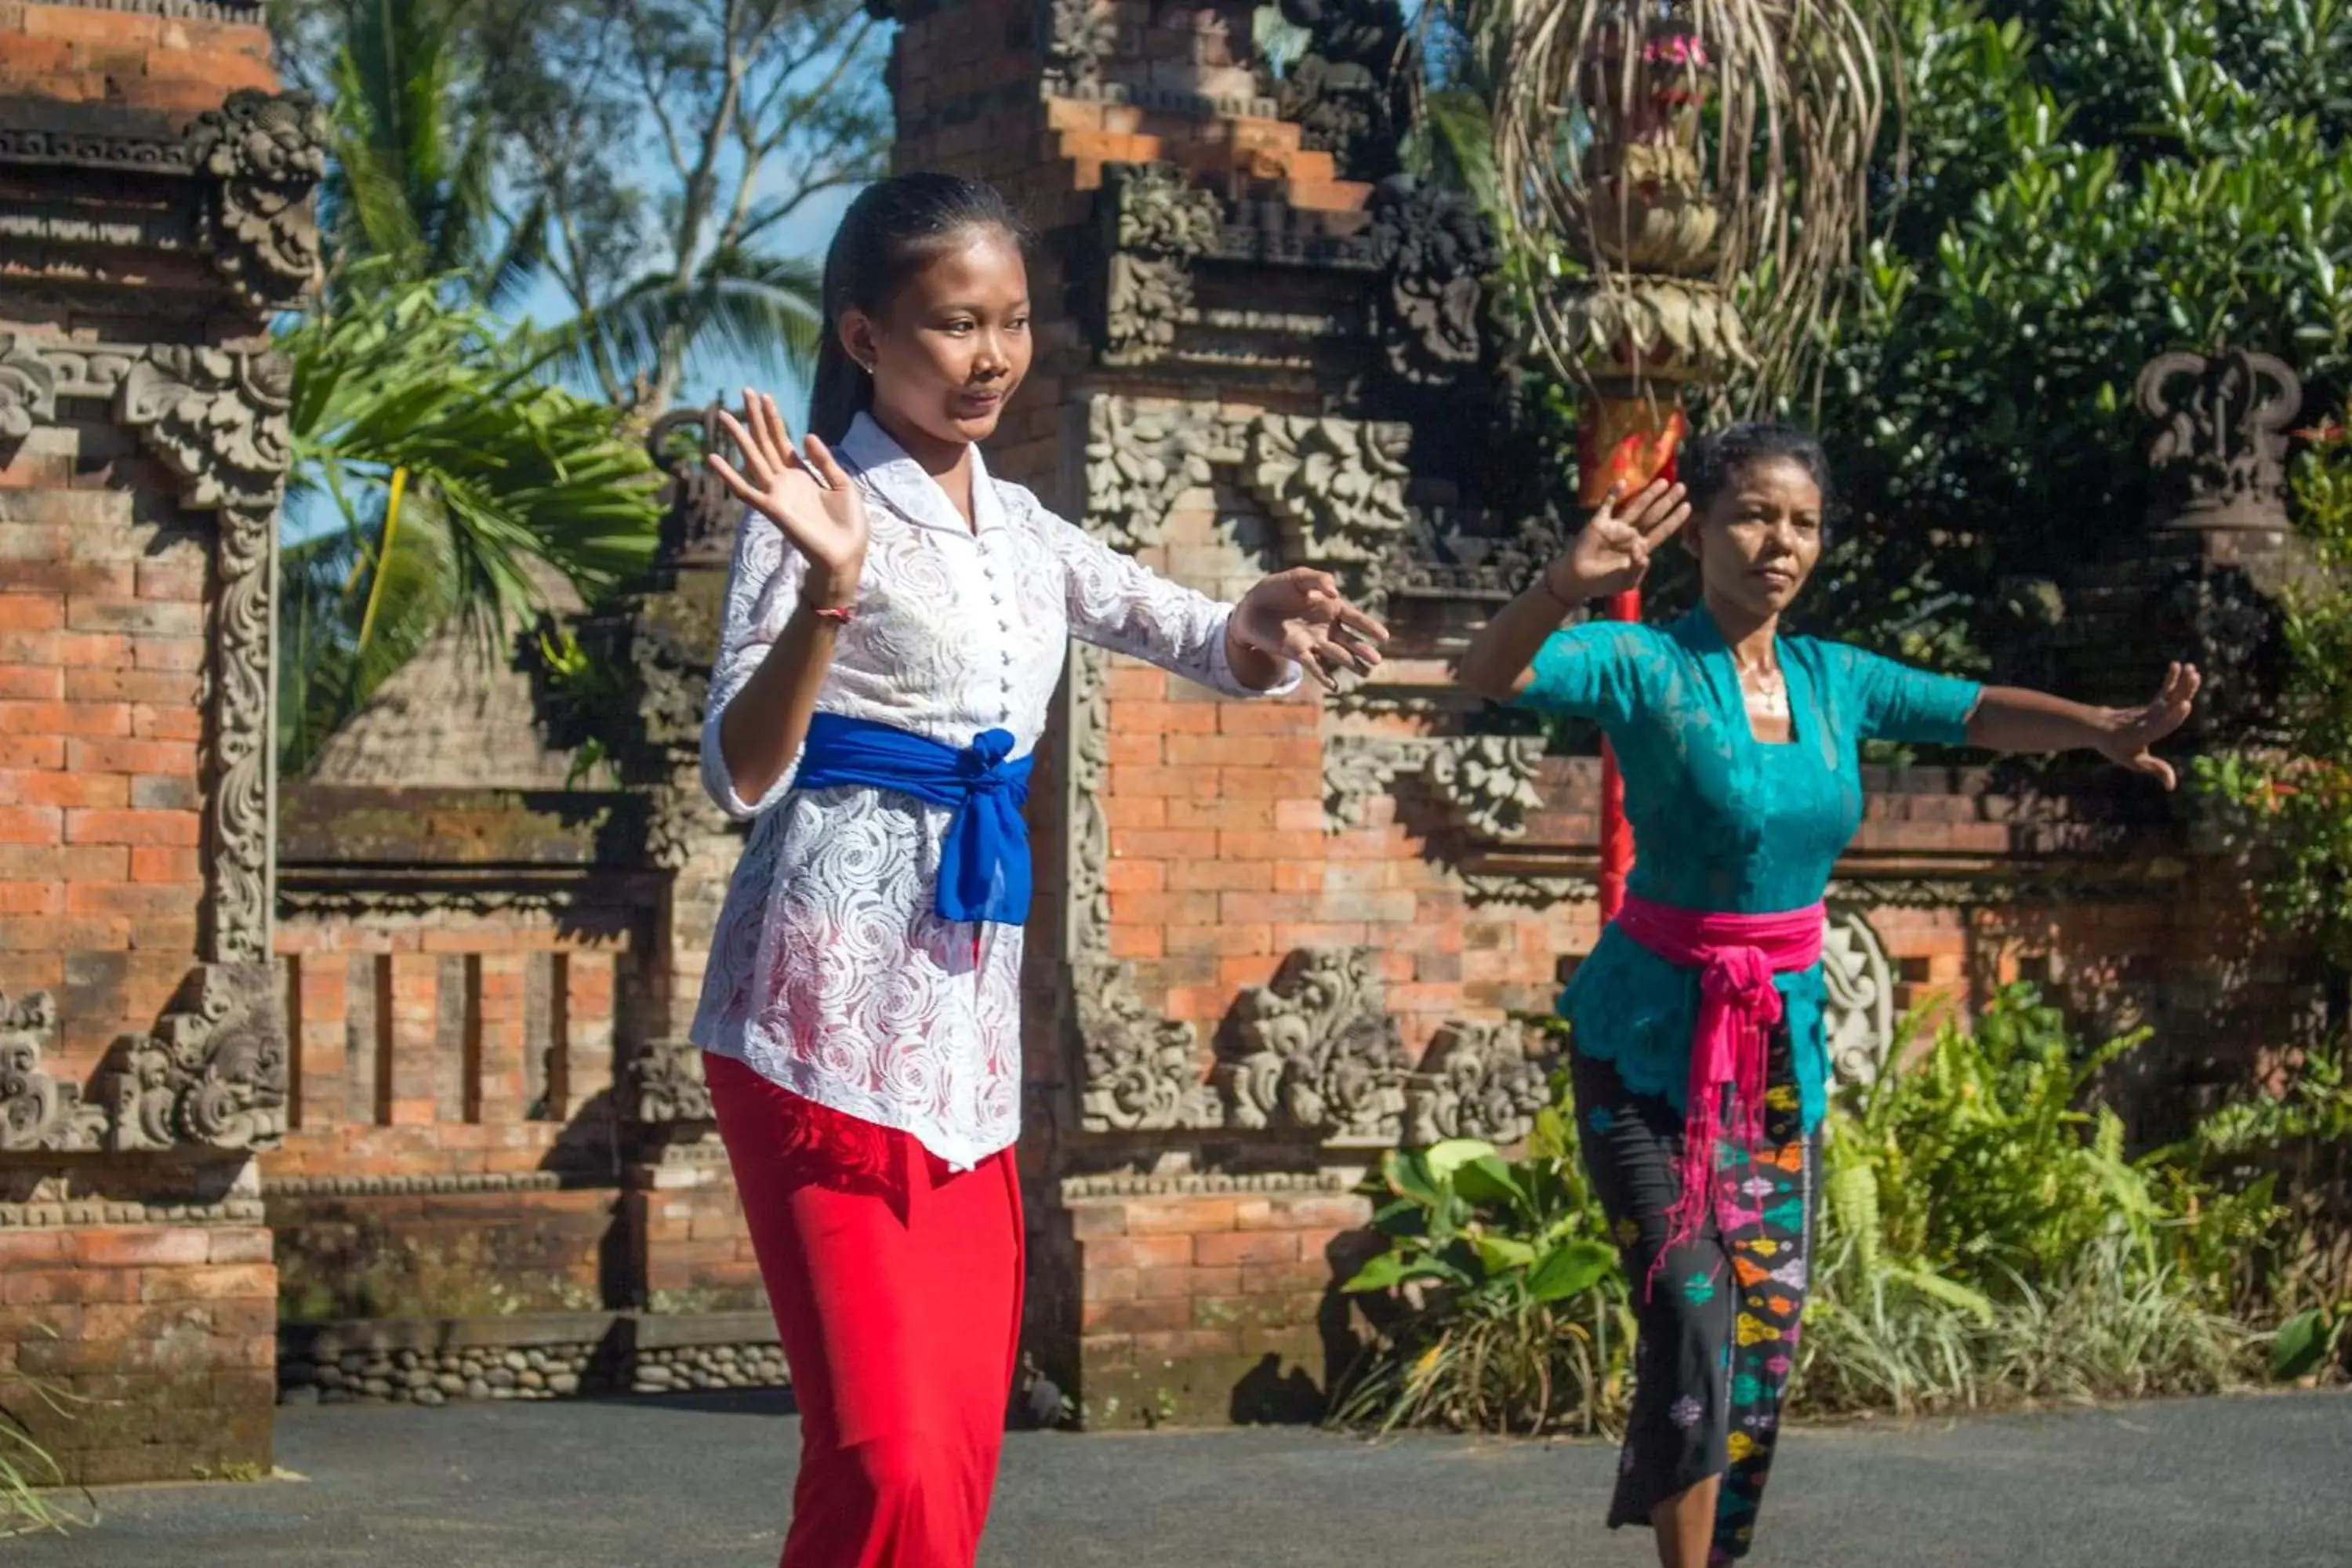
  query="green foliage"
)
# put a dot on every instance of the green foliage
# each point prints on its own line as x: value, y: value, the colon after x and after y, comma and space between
x: 1984, y: 1239
x: 2288, y: 808
x: 500, y: 479
x: 1986, y: 1236
x: 2089, y: 182
x: 1514, y: 1315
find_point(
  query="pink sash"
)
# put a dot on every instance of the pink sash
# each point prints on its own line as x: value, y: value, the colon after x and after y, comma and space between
x: 1736, y: 956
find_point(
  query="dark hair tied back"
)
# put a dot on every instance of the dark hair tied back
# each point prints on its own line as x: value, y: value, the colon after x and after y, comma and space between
x: 1713, y: 463
x: 892, y: 229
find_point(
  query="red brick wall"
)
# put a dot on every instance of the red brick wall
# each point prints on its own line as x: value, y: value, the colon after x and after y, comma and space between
x: 141, y: 1352
x: 102, y: 654
x: 180, y: 66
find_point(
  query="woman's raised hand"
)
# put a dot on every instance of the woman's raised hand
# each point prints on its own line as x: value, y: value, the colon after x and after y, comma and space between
x: 1300, y: 615
x: 804, y: 493
x: 1611, y: 552
x: 2135, y: 729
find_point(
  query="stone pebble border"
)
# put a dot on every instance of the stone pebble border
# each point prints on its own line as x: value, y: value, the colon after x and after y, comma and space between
x: 543, y: 1355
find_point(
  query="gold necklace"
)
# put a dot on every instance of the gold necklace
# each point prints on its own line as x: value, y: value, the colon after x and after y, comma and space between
x: 1769, y: 687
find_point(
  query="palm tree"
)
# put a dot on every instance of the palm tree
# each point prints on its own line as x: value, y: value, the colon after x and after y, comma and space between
x: 412, y: 182
x: 459, y: 480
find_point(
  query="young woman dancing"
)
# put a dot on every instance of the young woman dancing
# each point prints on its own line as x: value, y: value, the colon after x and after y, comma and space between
x: 896, y: 623
x: 1696, y: 1055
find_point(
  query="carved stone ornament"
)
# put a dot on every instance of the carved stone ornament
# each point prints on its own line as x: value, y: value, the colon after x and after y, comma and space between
x: 1335, y: 488
x: 217, y: 419
x: 36, y: 1111
x: 665, y: 1084
x: 29, y: 388
x: 1318, y: 1052
x: 1671, y: 329
x: 264, y: 153
x: 1147, y: 298
x: 1489, y: 780
x: 1358, y: 767
x: 2220, y: 459
x: 1159, y: 222
x: 1348, y: 92
x: 1140, y: 457
x: 214, y: 1076
x: 1476, y: 555
x: 1527, y: 890
x: 1079, y: 35
x: 1086, y: 731
x: 1142, y: 1072
x: 699, y: 511
x: 1434, y: 248
x: 1478, y: 1081
x: 1858, y: 998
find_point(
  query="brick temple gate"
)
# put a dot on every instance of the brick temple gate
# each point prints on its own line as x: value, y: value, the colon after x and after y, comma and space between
x: 393, y: 1058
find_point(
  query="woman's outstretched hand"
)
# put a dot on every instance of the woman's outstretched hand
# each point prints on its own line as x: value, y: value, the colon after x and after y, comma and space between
x: 804, y: 493
x: 2135, y: 729
x: 1300, y: 616
x: 1611, y: 552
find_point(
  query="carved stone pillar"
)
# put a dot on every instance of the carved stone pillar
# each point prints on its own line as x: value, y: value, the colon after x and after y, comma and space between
x: 154, y: 196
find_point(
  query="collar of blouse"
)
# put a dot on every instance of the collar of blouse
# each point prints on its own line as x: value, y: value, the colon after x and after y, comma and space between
x: 883, y: 466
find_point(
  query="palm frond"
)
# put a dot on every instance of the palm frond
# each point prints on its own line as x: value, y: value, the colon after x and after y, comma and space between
x: 503, y: 476
x: 745, y: 306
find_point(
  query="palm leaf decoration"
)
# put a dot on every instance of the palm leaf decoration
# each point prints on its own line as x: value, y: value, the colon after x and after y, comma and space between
x: 1794, y: 93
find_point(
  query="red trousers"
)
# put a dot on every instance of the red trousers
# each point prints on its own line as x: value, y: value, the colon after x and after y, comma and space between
x: 896, y: 1290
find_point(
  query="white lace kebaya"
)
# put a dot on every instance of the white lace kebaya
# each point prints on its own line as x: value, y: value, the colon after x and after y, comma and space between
x: 831, y: 973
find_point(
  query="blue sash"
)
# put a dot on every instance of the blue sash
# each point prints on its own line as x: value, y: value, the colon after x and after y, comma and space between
x: 984, y: 864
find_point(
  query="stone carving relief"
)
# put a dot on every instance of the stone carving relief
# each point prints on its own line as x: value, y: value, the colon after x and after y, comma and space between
x: 36, y: 1111
x: 1336, y: 489
x: 665, y: 1085
x: 1142, y: 1072
x: 1527, y: 890
x: 264, y: 153
x: 1433, y: 250
x: 1140, y: 457
x: 1487, y: 780
x: 1086, y: 730
x: 217, y: 420
x: 1318, y: 1052
x: 1858, y: 1004
x: 1079, y: 35
x: 1348, y: 92
x: 1160, y: 223
x: 29, y: 388
x: 214, y: 1075
x: 1478, y: 1081
x: 2220, y: 459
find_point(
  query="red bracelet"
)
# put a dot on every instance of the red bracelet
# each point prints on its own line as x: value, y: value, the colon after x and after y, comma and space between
x: 837, y: 614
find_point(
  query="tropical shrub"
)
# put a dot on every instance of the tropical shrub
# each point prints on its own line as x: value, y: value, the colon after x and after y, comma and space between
x: 1511, y: 1310
x: 1984, y: 1239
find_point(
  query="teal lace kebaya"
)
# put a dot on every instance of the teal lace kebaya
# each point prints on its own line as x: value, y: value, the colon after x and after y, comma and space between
x: 1721, y: 820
